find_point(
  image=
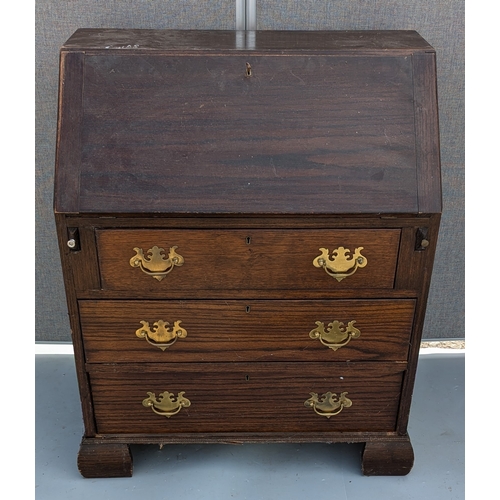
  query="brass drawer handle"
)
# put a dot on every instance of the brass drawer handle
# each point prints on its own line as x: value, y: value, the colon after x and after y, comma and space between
x: 342, y: 264
x: 336, y: 335
x: 166, y: 405
x: 161, y: 336
x: 329, y: 404
x: 155, y: 264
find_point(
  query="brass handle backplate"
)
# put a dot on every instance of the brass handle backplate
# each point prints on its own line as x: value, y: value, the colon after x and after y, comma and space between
x: 329, y: 404
x: 160, y: 335
x: 342, y: 263
x: 155, y: 264
x: 167, y: 404
x: 336, y: 335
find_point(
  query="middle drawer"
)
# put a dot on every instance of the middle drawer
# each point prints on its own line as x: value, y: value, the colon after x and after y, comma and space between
x: 123, y: 331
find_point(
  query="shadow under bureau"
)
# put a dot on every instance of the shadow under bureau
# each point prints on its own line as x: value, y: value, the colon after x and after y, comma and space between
x: 247, y: 235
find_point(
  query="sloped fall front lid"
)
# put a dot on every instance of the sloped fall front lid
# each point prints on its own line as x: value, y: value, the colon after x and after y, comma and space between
x: 208, y: 122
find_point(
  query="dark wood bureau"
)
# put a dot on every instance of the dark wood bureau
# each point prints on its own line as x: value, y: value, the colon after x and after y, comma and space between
x: 247, y: 236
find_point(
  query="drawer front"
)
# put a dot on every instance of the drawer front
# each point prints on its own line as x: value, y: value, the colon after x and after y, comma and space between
x: 201, y: 331
x: 245, y: 397
x: 172, y: 262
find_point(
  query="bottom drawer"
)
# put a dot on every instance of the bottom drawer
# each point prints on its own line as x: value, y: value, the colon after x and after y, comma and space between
x: 246, y: 397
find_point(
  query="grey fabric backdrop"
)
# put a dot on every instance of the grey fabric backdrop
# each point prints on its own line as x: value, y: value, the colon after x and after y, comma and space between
x: 441, y: 22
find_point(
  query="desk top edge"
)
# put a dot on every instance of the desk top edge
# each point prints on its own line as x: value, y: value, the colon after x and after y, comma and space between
x: 231, y: 40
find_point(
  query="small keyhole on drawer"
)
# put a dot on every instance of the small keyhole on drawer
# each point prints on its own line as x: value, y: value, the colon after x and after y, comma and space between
x: 248, y: 69
x: 247, y: 309
x: 247, y: 377
x: 248, y: 240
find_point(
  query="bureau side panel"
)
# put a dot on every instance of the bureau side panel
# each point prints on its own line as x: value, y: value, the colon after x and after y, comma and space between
x: 427, y: 133
x: 422, y: 263
x: 68, y: 142
x: 74, y: 319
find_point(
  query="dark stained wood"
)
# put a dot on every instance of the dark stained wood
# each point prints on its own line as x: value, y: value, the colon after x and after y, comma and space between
x: 245, y: 330
x: 387, y: 458
x: 250, y: 437
x: 74, y: 320
x: 245, y: 260
x: 215, y: 40
x: 427, y: 133
x: 229, y: 143
x: 83, y: 262
x: 232, y: 144
x: 253, y: 295
x: 163, y: 221
x: 163, y: 139
x: 409, y: 273
x: 413, y: 265
x: 427, y: 259
x: 69, y: 121
x: 98, y: 459
x: 248, y: 397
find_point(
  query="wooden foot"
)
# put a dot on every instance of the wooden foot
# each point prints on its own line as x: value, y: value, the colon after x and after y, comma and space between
x: 388, y: 458
x: 98, y: 459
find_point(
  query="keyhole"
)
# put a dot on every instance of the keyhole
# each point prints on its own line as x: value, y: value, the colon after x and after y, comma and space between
x: 247, y: 309
x: 248, y: 69
x: 248, y: 240
x: 247, y: 377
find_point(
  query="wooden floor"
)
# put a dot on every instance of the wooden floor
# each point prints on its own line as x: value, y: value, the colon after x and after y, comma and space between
x: 257, y: 472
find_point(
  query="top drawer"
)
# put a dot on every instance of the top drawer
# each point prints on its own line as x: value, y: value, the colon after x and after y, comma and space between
x: 171, y: 261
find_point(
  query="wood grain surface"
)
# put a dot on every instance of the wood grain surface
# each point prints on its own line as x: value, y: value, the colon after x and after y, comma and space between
x: 98, y: 459
x: 195, y: 134
x: 243, y: 260
x: 246, y: 397
x: 245, y: 330
x: 249, y: 160
x: 296, y: 41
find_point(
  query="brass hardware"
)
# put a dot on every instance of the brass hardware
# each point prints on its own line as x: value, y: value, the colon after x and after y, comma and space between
x: 329, y: 404
x: 421, y: 239
x: 336, y: 336
x: 155, y: 264
x: 161, y: 336
x: 73, y: 240
x: 248, y: 69
x: 342, y: 264
x: 166, y: 405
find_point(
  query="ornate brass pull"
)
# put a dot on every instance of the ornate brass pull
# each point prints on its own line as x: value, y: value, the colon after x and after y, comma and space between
x: 166, y: 405
x: 161, y: 336
x: 155, y: 264
x: 329, y: 404
x: 336, y: 336
x: 342, y: 264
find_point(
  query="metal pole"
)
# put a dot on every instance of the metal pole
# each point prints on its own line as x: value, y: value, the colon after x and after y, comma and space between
x: 240, y: 15
x: 251, y: 15
x: 246, y: 15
